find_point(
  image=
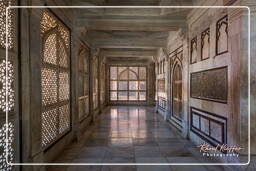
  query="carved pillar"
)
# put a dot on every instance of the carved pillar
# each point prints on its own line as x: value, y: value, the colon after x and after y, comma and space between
x: 238, y: 40
x: 100, y: 60
x: 168, y: 89
x: 35, y: 86
x: 253, y: 76
x: 154, y: 58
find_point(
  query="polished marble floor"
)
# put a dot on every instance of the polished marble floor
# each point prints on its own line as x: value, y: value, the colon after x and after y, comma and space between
x: 132, y: 134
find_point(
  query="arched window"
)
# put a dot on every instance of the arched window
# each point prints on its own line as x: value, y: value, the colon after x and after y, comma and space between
x: 128, y: 83
x: 83, y: 88
x: 55, y: 79
x: 177, y: 92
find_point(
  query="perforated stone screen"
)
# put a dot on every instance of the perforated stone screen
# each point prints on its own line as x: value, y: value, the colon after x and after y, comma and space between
x: 3, y: 5
x: 55, y: 79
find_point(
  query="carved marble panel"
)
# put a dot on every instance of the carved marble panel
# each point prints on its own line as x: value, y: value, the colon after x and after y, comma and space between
x: 210, y: 85
x: 209, y: 126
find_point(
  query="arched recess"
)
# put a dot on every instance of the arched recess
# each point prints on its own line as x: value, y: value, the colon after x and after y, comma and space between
x: 83, y: 86
x: 177, y: 114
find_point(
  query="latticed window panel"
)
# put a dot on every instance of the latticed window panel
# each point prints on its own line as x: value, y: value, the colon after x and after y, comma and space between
x: 64, y: 86
x: 49, y: 86
x: 10, y: 28
x: 64, y: 34
x: 64, y: 118
x: 10, y: 144
x: 55, y: 79
x: 6, y: 87
x: 50, y: 49
x: 47, y: 22
x: 63, y: 55
x: 49, y: 126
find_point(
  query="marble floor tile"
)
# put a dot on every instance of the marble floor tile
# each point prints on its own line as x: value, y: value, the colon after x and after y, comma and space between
x: 132, y: 134
x: 147, y: 151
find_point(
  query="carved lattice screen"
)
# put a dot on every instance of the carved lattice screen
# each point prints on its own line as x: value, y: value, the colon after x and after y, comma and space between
x: 55, y: 79
x: 83, y: 70
x: 7, y: 88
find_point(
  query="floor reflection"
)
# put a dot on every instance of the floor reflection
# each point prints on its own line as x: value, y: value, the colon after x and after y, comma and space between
x: 124, y: 134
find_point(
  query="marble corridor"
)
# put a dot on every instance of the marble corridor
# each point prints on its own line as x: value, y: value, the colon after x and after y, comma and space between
x: 129, y: 134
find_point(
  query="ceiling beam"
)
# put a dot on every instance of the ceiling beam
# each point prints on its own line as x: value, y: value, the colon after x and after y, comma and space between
x: 127, y: 53
x: 131, y: 24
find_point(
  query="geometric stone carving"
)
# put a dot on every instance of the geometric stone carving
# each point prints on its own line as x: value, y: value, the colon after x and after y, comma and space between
x: 210, y: 85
